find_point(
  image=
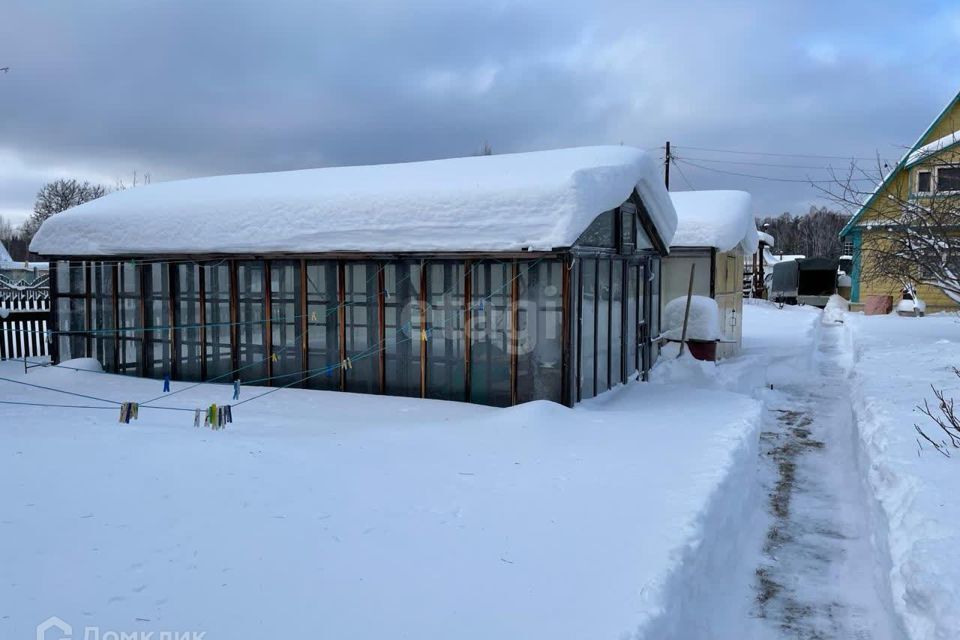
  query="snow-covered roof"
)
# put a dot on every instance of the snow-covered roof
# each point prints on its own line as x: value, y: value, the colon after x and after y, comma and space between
x: 932, y: 149
x: 4, y: 254
x: 766, y: 238
x: 536, y: 201
x: 720, y: 219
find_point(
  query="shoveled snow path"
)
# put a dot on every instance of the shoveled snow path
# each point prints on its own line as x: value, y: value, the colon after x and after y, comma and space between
x: 822, y: 568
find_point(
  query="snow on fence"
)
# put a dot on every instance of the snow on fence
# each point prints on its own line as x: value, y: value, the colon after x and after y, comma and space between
x: 23, y: 331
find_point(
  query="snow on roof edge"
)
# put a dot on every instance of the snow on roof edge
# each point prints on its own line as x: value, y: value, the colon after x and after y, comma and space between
x: 718, y: 219
x: 534, y: 201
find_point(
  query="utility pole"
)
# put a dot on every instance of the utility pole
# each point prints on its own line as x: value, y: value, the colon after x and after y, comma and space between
x: 666, y: 167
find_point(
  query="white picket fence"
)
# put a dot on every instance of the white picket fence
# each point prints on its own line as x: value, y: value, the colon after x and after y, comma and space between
x: 23, y: 333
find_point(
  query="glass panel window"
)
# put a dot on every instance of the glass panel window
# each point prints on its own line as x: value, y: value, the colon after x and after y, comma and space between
x: 251, y: 323
x: 603, y: 325
x: 189, y: 349
x: 490, y: 320
x: 446, y: 345
x: 588, y: 307
x: 948, y: 179
x: 651, y: 289
x: 129, y: 304
x: 63, y: 276
x: 539, y: 326
x: 285, y: 321
x: 633, y: 279
x: 323, y: 332
x: 616, y: 322
x: 601, y: 232
x: 362, y: 327
x: 216, y: 293
x: 157, y: 307
x: 924, y: 182
x: 104, y: 331
x: 402, y: 322
x: 71, y: 317
x: 628, y: 228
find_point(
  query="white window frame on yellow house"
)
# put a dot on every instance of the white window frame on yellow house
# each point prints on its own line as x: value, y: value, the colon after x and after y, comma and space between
x: 934, y: 172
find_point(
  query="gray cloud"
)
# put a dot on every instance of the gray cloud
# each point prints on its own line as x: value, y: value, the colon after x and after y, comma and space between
x: 180, y: 88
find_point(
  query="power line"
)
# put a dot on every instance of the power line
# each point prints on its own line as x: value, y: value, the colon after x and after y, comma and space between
x: 757, y: 164
x: 778, y: 155
x: 682, y: 174
x: 768, y: 178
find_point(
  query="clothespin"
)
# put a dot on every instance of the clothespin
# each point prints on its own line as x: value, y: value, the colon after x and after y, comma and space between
x: 346, y: 363
x: 274, y: 357
x: 423, y: 334
x: 236, y: 389
x: 166, y: 383
x: 481, y: 304
x: 197, y: 414
x: 313, y: 316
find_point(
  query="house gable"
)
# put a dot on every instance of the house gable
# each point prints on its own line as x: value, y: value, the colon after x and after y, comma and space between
x: 898, y: 181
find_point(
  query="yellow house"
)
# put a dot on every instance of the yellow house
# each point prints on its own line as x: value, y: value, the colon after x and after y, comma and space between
x: 930, y: 166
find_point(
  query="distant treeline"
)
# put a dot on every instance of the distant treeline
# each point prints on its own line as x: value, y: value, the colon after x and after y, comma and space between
x: 815, y: 235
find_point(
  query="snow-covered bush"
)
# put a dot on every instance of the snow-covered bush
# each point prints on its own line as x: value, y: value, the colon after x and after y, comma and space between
x: 704, y: 321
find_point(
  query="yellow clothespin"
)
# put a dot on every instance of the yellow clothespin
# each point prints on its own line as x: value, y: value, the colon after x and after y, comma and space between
x: 423, y: 334
x: 273, y: 356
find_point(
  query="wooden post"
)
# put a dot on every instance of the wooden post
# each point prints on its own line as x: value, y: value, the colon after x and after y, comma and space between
x: 686, y: 312
x: 202, y: 333
x: 423, y: 329
x: 267, y: 327
x: 467, y: 321
x: 304, y: 325
x: 382, y: 326
x: 666, y: 167
x: 515, y: 330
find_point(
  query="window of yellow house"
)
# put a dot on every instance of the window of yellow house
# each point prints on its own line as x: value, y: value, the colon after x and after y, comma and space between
x: 924, y: 182
x: 948, y: 178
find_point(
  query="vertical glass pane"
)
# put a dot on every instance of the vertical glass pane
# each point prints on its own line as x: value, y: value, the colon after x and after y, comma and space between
x: 446, y: 345
x: 251, y: 323
x: 362, y: 327
x: 158, y: 334
x: 131, y: 335
x: 652, y: 288
x: 285, y: 322
x: 323, y: 330
x: 631, y: 328
x: 588, y: 307
x: 490, y: 333
x: 616, y: 323
x: 216, y: 285
x: 539, y: 326
x: 71, y: 317
x: 104, y: 336
x: 402, y: 320
x: 603, y: 325
x: 187, y: 311
x: 77, y: 274
x: 63, y: 276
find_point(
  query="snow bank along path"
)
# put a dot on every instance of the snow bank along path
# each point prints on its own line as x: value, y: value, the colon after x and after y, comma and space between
x: 345, y: 516
x: 897, y: 359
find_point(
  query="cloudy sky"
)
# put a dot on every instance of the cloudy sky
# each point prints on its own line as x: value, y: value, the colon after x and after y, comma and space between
x: 178, y: 88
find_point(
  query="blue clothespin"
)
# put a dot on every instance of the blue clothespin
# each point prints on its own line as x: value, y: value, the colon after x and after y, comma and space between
x: 166, y: 383
x: 236, y: 389
x: 481, y: 304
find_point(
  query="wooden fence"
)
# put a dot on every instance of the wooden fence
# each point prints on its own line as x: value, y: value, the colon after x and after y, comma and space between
x: 23, y: 333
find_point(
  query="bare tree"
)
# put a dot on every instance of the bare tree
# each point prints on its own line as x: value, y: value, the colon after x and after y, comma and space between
x: 945, y: 418
x: 816, y: 234
x: 911, y: 236
x: 7, y: 231
x: 58, y: 196
x: 485, y: 150
x: 135, y: 182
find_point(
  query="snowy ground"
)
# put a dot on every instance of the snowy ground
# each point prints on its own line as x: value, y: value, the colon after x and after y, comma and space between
x: 336, y: 515
x: 897, y: 359
x: 778, y: 495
